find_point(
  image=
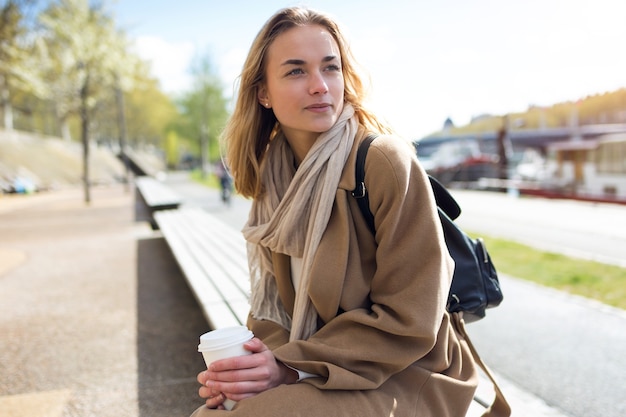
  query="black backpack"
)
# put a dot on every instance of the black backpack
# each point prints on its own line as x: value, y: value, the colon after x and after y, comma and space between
x: 475, y: 286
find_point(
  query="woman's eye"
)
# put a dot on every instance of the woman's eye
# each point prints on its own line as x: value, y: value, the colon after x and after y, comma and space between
x: 296, y: 71
x: 333, y: 67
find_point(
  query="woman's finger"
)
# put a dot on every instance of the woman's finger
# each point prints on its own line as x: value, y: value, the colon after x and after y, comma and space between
x: 215, y: 401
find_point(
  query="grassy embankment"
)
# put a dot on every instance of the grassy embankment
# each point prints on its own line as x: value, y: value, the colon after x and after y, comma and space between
x: 602, y: 282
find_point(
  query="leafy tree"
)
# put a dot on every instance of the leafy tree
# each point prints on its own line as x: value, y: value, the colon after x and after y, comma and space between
x: 172, y: 149
x: 150, y: 112
x: 203, y: 111
x: 77, y: 44
x: 606, y: 108
x: 16, y: 57
x: 84, y: 62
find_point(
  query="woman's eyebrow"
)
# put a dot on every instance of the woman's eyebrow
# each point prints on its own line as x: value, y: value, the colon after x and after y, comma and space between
x: 302, y: 62
x: 293, y: 62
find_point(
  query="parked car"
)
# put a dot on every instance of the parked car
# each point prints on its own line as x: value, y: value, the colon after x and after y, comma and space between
x: 461, y: 161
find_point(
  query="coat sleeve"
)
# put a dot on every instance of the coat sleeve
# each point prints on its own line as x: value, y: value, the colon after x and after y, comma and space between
x: 403, y: 308
x: 272, y: 334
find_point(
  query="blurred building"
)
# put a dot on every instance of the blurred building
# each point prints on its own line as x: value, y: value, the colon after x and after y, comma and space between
x: 578, y: 161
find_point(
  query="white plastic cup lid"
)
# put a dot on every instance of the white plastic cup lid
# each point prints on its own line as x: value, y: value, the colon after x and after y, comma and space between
x: 224, y: 337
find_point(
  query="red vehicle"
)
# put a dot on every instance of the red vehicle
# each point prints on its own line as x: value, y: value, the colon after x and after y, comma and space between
x: 460, y: 161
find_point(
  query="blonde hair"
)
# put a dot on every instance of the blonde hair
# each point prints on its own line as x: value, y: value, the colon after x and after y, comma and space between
x: 252, y: 126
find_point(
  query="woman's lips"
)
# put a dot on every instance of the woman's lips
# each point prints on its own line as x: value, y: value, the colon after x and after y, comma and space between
x: 319, y: 107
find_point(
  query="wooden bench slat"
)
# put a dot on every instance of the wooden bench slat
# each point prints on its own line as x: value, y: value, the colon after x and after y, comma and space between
x: 216, y: 310
x: 231, y: 242
x: 194, y: 273
x: 228, y: 242
x: 214, y: 261
x: 221, y: 315
x: 156, y: 194
x: 231, y: 278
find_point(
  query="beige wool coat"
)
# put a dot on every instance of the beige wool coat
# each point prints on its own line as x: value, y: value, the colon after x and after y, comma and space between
x: 386, y: 345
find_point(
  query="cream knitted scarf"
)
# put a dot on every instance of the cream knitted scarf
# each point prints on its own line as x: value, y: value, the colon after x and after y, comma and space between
x: 291, y: 216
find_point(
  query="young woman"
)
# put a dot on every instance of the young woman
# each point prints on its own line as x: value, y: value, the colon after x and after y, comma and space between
x: 346, y: 322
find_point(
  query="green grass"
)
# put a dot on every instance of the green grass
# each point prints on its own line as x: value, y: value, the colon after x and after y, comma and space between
x: 602, y: 282
x: 209, y: 180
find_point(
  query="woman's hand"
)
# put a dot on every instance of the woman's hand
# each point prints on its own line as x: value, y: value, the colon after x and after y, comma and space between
x: 244, y: 376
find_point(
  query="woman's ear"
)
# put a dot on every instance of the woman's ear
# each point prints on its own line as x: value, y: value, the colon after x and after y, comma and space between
x: 263, y: 98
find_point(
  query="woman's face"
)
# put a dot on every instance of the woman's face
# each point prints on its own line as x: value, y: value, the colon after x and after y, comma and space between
x: 304, y: 82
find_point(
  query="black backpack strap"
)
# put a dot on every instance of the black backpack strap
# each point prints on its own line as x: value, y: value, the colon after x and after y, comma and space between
x: 443, y: 198
x: 360, y: 192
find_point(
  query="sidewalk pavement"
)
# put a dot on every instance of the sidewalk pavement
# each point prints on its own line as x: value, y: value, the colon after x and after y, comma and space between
x: 97, y: 318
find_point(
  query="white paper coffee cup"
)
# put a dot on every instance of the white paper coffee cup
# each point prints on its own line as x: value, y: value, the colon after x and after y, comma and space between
x: 224, y: 343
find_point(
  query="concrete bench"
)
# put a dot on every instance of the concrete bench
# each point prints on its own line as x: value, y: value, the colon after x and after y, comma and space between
x: 157, y: 195
x: 212, y: 255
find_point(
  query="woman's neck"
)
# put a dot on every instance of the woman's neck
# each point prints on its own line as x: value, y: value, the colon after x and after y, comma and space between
x: 301, y: 145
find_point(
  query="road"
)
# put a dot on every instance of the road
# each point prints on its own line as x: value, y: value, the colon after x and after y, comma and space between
x: 568, y: 350
x: 588, y: 230
x: 565, y: 351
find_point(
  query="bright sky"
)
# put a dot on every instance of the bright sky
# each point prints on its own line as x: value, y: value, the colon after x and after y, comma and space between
x: 428, y: 60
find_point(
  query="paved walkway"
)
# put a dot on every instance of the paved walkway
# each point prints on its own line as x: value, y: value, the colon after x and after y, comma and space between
x: 95, y: 317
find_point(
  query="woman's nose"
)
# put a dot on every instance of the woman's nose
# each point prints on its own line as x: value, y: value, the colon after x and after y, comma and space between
x: 318, y: 84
